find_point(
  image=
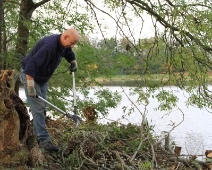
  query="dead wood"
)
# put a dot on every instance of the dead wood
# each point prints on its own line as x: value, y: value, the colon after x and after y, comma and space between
x: 191, y: 162
x: 14, y: 122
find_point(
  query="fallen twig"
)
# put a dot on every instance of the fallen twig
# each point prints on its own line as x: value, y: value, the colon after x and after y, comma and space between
x: 139, y: 146
x: 121, y: 160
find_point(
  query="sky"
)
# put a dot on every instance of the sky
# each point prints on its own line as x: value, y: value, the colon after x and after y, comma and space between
x: 147, y: 31
x: 110, y: 25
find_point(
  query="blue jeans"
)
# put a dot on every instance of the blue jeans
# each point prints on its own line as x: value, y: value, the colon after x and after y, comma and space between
x: 38, y: 108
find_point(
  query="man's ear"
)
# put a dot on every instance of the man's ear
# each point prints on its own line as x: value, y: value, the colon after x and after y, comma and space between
x: 66, y: 36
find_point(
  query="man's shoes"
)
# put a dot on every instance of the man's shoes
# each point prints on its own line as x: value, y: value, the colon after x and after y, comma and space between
x: 49, y: 146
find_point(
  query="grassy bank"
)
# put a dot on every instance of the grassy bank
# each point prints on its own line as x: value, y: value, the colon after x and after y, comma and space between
x: 153, y: 79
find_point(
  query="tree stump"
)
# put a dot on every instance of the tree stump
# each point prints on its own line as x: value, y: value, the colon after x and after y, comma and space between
x: 14, y: 123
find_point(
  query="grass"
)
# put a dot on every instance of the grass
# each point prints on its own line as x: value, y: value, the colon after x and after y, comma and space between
x: 154, y: 79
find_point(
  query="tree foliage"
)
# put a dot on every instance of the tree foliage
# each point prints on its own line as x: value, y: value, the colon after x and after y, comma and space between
x: 180, y: 48
x: 25, y: 22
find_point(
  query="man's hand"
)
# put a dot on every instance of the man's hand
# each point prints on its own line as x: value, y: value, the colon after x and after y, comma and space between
x: 73, y: 66
x: 31, y: 88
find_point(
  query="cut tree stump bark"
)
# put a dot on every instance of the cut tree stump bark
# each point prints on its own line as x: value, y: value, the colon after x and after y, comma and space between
x: 14, y: 123
x: 177, y: 150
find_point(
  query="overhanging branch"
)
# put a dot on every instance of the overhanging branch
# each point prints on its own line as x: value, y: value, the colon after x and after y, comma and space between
x: 166, y: 24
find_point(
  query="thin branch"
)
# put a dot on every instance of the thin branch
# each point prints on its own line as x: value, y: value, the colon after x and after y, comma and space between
x: 124, y: 166
x: 139, y: 146
x: 153, y: 156
x: 40, y: 3
x: 131, y: 101
x: 174, y: 126
x: 165, y: 23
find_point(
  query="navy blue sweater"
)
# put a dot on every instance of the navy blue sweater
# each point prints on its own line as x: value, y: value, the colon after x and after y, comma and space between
x: 44, y: 58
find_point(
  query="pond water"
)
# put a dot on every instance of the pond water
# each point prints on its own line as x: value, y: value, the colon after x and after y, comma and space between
x: 193, y: 133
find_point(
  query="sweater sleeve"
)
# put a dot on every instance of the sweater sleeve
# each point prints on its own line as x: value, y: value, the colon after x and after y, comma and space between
x: 69, y: 55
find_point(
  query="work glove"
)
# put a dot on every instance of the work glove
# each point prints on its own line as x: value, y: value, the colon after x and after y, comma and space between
x: 31, y: 88
x: 73, y: 66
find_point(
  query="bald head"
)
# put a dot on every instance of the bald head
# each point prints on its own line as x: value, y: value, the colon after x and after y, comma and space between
x: 69, y: 37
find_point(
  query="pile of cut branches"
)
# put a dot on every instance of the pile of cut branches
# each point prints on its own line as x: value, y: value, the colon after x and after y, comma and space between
x: 112, y: 146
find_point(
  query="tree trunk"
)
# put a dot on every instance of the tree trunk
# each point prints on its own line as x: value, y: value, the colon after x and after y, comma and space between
x: 1, y: 21
x: 27, y: 7
x: 25, y: 14
x: 14, y: 123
